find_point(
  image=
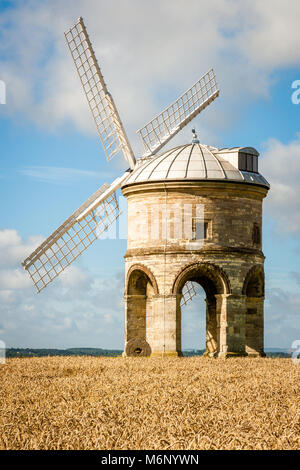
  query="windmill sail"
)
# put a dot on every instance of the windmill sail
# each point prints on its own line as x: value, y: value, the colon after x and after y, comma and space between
x: 101, y: 103
x: 188, y: 292
x: 166, y: 124
x: 75, y: 235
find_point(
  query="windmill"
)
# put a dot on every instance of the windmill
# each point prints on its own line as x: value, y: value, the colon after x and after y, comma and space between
x: 101, y: 210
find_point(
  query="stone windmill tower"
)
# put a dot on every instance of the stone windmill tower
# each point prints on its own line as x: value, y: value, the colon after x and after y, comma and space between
x: 194, y: 216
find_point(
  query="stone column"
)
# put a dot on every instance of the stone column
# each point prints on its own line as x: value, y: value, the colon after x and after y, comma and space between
x: 149, y: 319
x: 211, y: 328
x: 231, y: 325
x: 255, y: 326
x: 162, y: 335
x: 221, y: 320
x: 135, y: 317
x: 178, y: 325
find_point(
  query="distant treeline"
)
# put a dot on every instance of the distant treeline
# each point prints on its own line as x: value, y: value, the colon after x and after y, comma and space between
x: 200, y: 352
x: 28, y: 352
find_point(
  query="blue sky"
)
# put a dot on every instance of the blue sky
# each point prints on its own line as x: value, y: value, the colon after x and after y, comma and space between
x: 51, y: 158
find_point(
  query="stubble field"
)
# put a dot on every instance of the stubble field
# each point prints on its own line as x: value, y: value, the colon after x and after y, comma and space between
x: 141, y: 403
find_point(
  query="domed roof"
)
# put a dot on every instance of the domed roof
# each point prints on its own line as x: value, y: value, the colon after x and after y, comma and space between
x: 190, y: 162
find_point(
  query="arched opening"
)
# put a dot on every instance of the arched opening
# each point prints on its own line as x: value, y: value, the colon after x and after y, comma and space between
x: 214, y: 283
x: 253, y: 289
x: 193, y: 318
x: 140, y: 288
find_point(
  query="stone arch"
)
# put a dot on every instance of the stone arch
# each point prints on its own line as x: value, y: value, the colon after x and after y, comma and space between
x: 146, y: 273
x: 254, y: 291
x: 254, y: 284
x: 209, y: 270
x: 140, y: 289
x: 216, y: 285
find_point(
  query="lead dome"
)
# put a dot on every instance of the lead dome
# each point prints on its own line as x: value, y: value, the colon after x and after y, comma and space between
x: 196, y: 161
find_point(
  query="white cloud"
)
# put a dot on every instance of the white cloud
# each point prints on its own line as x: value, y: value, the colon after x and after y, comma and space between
x: 9, y: 237
x: 6, y: 296
x: 272, y: 34
x: 59, y: 175
x: 296, y: 276
x: 281, y: 166
x: 150, y: 52
x: 13, y: 249
x: 77, y: 309
x: 281, y: 318
x: 14, y: 279
x: 72, y: 277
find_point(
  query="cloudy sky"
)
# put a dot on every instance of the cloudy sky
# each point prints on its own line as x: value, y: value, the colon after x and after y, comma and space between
x: 52, y: 161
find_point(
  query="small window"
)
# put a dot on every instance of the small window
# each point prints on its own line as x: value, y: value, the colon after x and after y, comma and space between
x: 199, y: 229
x: 242, y: 162
x: 251, y: 311
x: 205, y: 230
x: 248, y: 162
x: 255, y: 165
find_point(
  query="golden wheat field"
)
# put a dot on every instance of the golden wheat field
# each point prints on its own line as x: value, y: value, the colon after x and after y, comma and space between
x: 141, y: 403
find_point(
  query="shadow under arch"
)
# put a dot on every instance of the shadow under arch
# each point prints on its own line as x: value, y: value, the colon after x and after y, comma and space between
x: 137, y: 276
x: 141, y: 286
x: 254, y: 284
x: 209, y: 273
x: 215, y: 282
x: 254, y: 290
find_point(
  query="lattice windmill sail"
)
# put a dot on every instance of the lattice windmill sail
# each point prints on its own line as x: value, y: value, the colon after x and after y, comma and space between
x: 170, y: 121
x: 74, y: 236
x: 101, y: 103
x: 101, y: 210
x: 188, y: 292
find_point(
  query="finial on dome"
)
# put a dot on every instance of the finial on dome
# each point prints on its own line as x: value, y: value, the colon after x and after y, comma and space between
x: 195, y: 137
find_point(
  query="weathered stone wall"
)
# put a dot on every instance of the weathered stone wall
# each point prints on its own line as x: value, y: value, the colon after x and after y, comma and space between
x: 160, y: 243
x: 254, y: 325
